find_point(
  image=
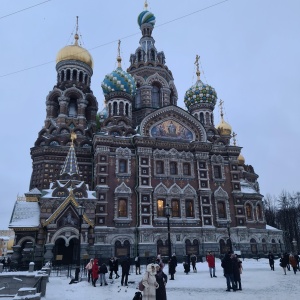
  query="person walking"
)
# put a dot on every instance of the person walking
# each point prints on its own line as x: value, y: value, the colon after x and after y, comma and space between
x: 95, y: 272
x: 161, y: 279
x: 287, y: 257
x: 193, y: 261
x: 271, y: 260
x: 228, y: 271
x: 125, y: 271
x: 172, y: 266
x: 116, y: 267
x: 111, y: 267
x: 88, y: 268
x: 137, y: 265
x: 237, y: 270
x: 283, y: 263
x: 150, y: 283
x: 293, y: 263
x: 102, y: 271
x: 210, y: 258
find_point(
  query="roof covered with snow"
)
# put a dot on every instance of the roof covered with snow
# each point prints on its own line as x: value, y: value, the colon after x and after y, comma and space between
x: 247, y: 188
x: 25, y: 214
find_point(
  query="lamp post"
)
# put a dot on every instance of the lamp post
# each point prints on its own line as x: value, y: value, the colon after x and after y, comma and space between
x: 228, y: 230
x: 168, y: 214
x: 80, y: 210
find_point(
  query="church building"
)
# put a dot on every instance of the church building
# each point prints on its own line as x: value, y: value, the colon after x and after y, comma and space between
x: 150, y: 177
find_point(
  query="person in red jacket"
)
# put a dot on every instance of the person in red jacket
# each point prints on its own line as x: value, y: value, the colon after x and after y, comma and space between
x: 95, y: 272
x: 211, y: 264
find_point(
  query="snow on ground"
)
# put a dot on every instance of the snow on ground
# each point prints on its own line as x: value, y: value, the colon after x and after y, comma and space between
x: 258, y: 282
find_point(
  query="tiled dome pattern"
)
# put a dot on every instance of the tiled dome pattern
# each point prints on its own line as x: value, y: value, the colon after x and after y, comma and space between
x: 119, y: 81
x: 200, y: 93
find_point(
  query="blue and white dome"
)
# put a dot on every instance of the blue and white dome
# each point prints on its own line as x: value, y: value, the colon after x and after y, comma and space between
x: 200, y: 93
x: 119, y: 81
x: 146, y: 17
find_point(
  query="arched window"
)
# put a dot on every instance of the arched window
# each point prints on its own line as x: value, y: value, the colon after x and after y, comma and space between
x: 80, y: 76
x: 189, y: 208
x: 121, y: 108
x: 115, y: 108
x: 253, y: 246
x: 207, y: 119
x: 221, y: 210
x: 258, y: 212
x: 62, y: 77
x: 68, y: 74
x: 249, y: 211
x: 155, y: 96
x: 152, y: 55
x: 74, y: 77
x: 160, y: 207
x: 127, y: 109
x: 159, y: 167
x: 122, y: 208
x: 175, y: 204
x: 202, y: 118
x: 109, y: 110
x: 86, y: 79
x: 139, y: 55
x: 72, y: 112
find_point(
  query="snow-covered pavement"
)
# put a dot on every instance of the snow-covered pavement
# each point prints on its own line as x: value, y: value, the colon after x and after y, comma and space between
x: 258, y: 282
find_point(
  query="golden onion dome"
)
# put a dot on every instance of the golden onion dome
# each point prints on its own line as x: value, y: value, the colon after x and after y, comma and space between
x: 224, y: 128
x: 75, y: 52
x: 241, y: 159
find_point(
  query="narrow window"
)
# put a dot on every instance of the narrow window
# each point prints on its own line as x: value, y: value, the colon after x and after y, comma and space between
x: 173, y: 168
x: 123, y: 166
x: 248, y: 211
x: 189, y: 208
x: 122, y: 208
x: 186, y: 169
x: 217, y: 172
x: 221, y: 210
x: 155, y: 96
x: 159, y: 167
x: 160, y: 208
x: 175, y: 208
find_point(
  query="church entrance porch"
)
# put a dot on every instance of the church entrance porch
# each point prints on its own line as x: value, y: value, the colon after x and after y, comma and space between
x: 65, y: 254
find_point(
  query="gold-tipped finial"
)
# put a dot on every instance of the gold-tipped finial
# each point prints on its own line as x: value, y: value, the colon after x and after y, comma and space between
x: 197, y: 66
x: 119, y: 59
x: 76, y: 36
x: 73, y: 137
x: 146, y: 5
x: 233, y: 137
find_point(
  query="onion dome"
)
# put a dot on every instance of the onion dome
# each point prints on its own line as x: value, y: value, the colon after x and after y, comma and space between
x: 241, y: 159
x: 200, y: 92
x: 146, y: 17
x: 75, y: 52
x: 224, y: 128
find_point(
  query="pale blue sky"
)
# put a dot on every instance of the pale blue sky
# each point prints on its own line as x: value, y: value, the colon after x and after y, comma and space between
x: 249, y: 52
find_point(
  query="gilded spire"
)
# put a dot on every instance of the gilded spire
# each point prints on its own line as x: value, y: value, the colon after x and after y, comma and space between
x: 197, y: 66
x: 76, y: 36
x: 146, y: 5
x: 119, y: 59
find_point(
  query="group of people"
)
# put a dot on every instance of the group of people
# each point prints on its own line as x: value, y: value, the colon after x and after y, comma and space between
x: 289, y: 260
x: 95, y: 271
x: 232, y: 267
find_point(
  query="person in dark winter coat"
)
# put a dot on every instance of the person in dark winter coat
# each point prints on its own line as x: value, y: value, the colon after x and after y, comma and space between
x: 111, y: 267
x: 125, y: 271
x: 116, y: 267
x: 137, y: 265
x: 287, y: 257
x: 228, y: 271
x: 194, y: 260
x: 271, y: 260
x: 283, y: 263
x: 161, y: 279
x: 187, y: 265
x: 293, y: 262
x: 102, y: 272
x: 237, y: 267
x: 172, y: 266
x: 95, y: 270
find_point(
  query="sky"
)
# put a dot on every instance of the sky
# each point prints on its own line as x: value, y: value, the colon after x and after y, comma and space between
x: 258, y: 282
x: 249, y: 52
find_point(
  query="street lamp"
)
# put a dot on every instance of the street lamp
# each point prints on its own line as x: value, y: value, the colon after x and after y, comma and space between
x: 80, y: 210
x: 168, y: 214
x: 228, y: 230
